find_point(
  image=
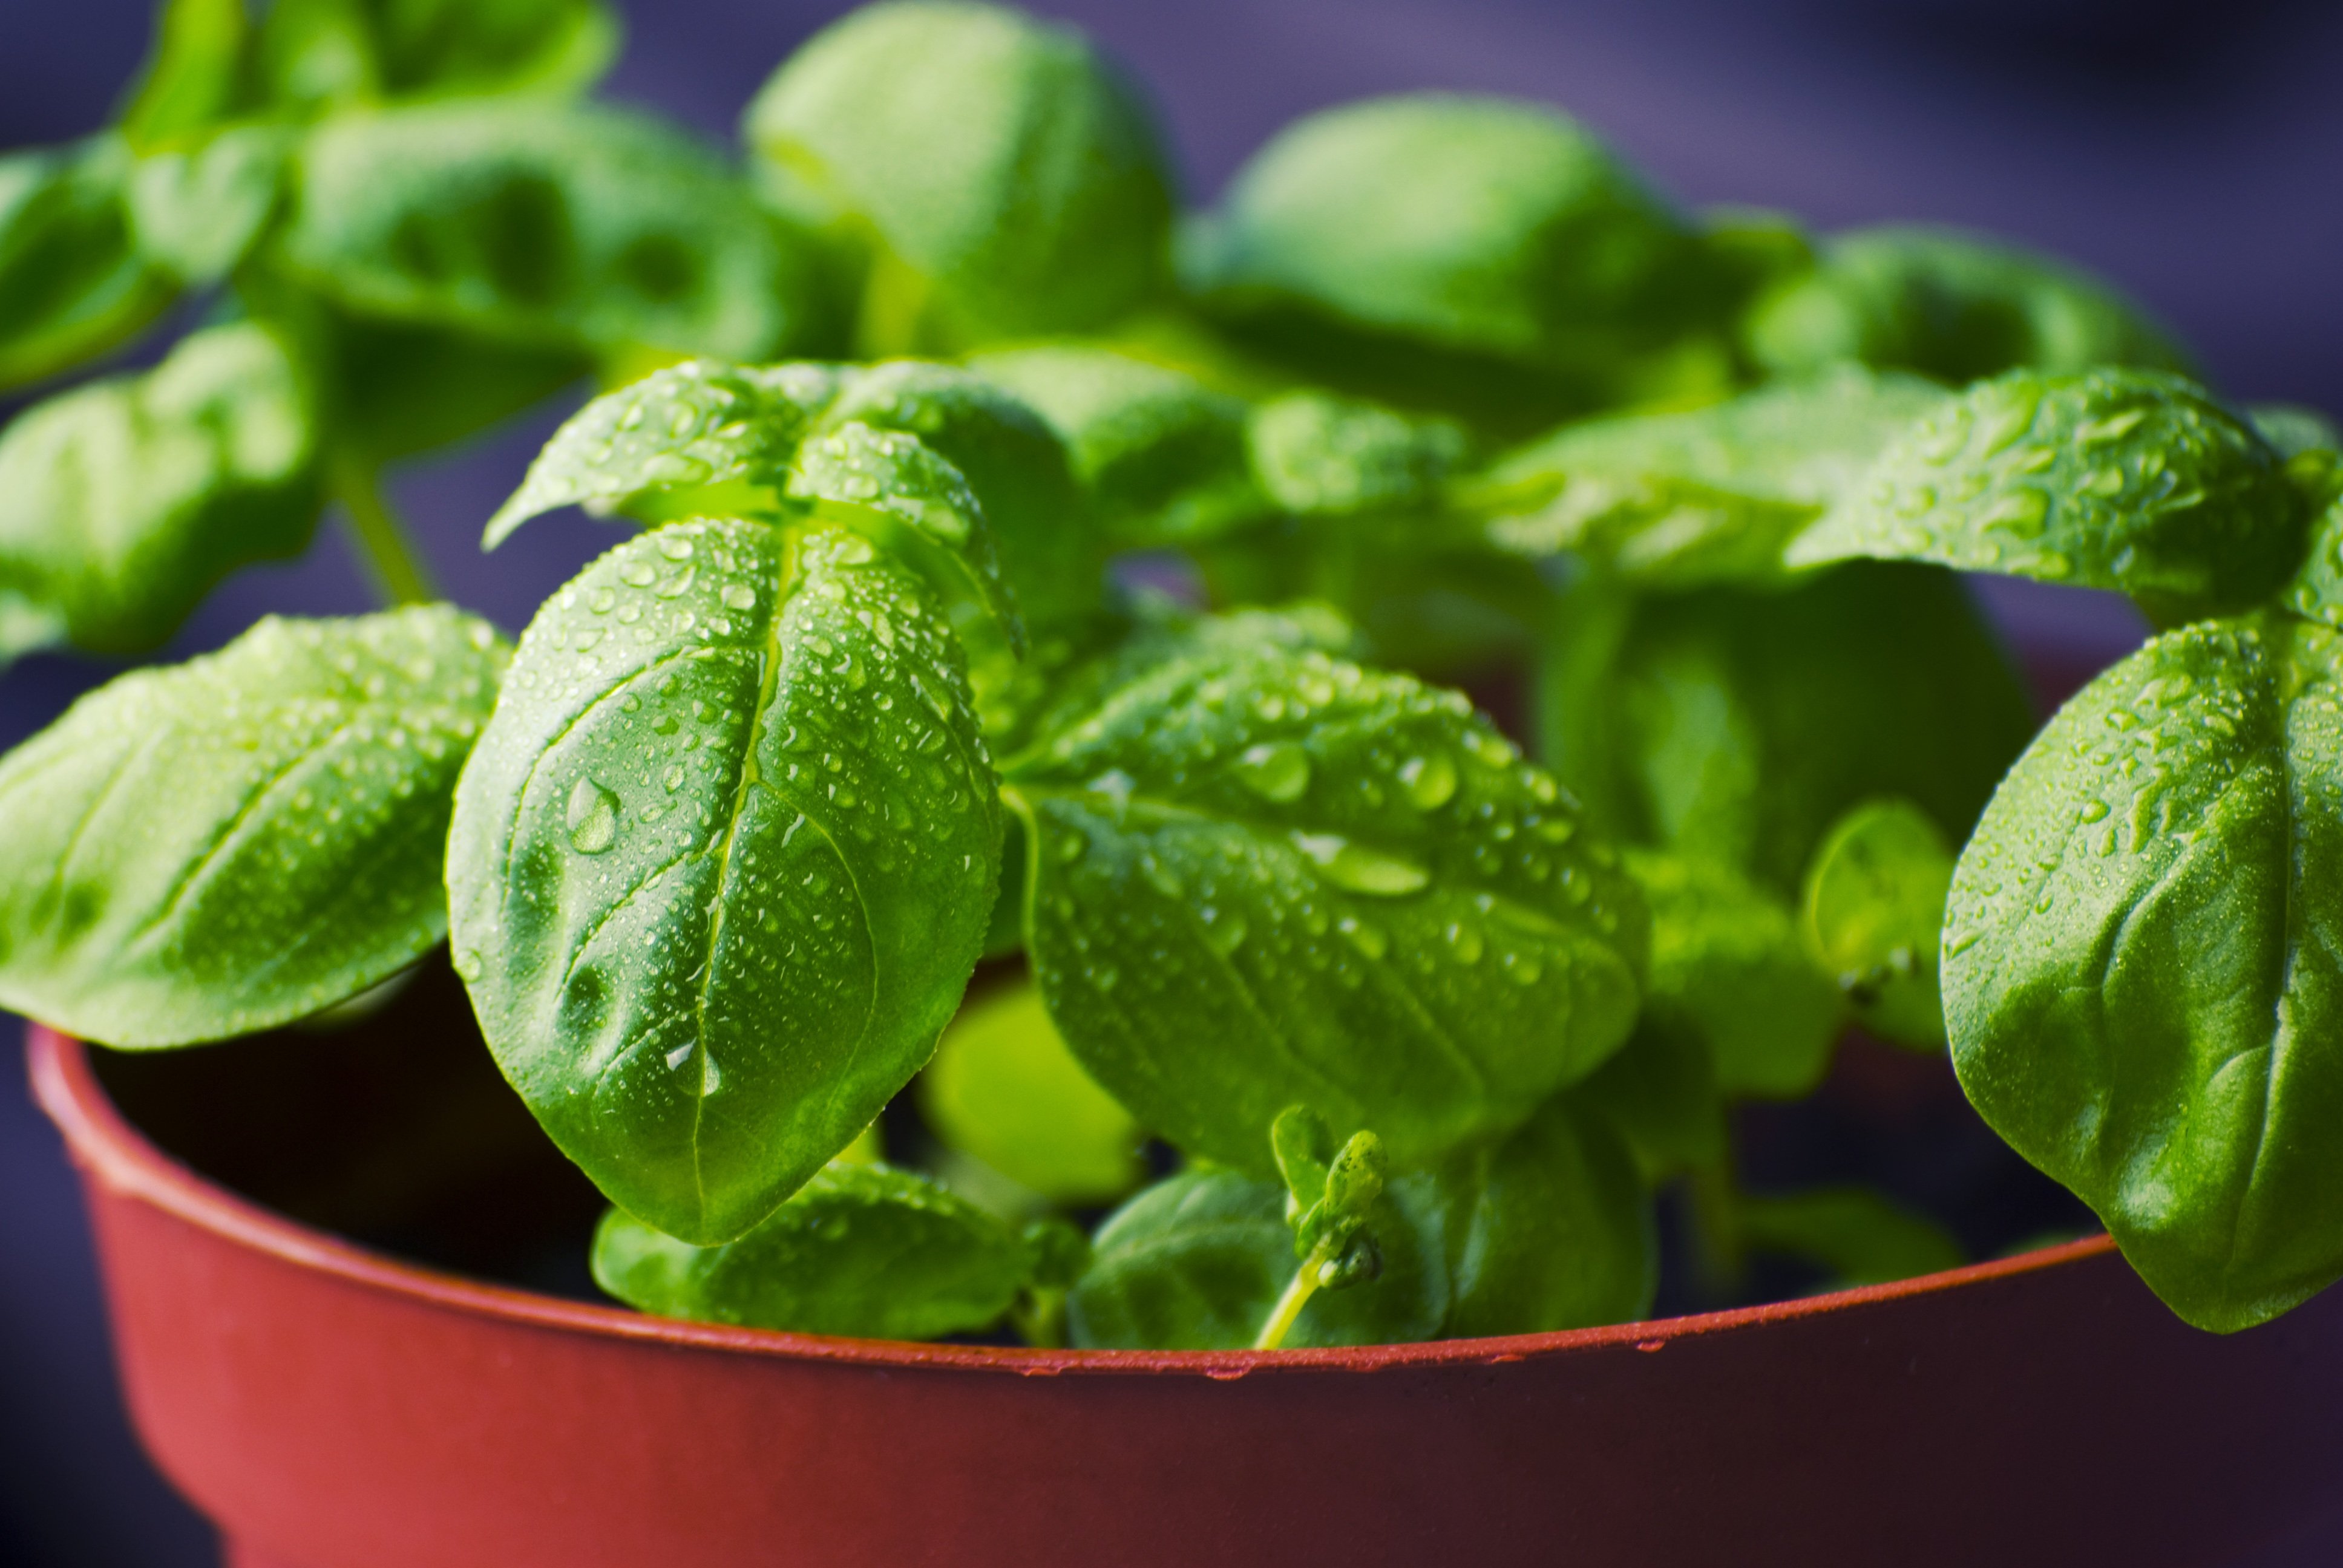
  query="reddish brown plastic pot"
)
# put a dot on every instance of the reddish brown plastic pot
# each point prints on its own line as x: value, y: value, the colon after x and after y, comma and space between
x: 331, y: 1408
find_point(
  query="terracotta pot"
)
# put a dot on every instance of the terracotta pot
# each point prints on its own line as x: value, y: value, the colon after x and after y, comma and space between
x: 331, y: 1408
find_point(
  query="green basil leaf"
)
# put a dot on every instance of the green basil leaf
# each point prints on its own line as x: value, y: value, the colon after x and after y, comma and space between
x: 1470, y: 224
x: 2128, y: 480
x: 1198, y: 1260
x: 1951, y: 306
x: 723, y: 861
x: 229, y: 844
x: 1734, y: 727
x: 397, y: 388
x: 73, y: 284
x: 1012, y: 181
x: 1712, y: 494
x: 1316, y: 454
x: 198, y: 211
x: 1004, y: 1088
x: 1258, y: 876
x: 1729, y: 967
x: 2141, y: 971
x: 123, y: 501
x: 2316, y: 591
x: 861, y: 1248
x: 557, y: 226
x: 329, y: 54
x: 1658, y: 1092
x: 2293, y: 430
x: 194, y: 74
x: 1875, y: 917
x: 1862, y: 1237
x: 1161, y: 454
x: 1552, y: 1229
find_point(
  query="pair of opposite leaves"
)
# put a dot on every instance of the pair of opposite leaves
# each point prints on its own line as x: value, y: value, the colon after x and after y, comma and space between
x: 721, y: 868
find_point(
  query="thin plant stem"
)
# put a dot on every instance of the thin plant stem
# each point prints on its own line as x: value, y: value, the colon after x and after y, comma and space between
x: 391, y: 557
x: 1298, y: 1293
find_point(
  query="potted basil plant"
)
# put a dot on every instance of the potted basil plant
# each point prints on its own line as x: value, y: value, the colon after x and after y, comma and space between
x: 1313, y: 1015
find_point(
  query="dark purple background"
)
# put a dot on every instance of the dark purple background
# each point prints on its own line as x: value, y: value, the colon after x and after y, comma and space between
x: 2194, y: 153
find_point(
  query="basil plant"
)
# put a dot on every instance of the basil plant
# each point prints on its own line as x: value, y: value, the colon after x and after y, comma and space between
x: 1246, y: 985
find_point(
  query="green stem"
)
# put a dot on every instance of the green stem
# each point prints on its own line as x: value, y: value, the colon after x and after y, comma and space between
x: 390, y: 555
x: 1303, y: 1285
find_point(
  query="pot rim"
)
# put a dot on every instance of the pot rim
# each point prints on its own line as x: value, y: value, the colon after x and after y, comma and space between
x: 110, y: 1149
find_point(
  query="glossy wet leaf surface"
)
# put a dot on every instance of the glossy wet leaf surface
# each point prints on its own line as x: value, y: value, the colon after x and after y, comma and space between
x: 862, y: 1249
x: 216, y: 848
x: 2127, y: 479
x: 1258, y: 875
x: 2142, y: 971
x: 724, y: 861
x: 125, y: 500
x: 1711, y: 495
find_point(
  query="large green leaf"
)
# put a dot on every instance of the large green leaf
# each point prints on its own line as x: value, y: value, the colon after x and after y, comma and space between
x: 548, y: 224
x: 125, y: 500
x: 73, y: 282
x: 2129, y: 479
x: 1949, y: 306
x: 1012, y: 182
x: 861, y: 1250
x: 1258, y: 876
x: 723, y: 861
x: 1736, y: 726
x: 229, y: 844
x: 1479, y: 225
x: 2143, y: 967
x: 1712, y: 494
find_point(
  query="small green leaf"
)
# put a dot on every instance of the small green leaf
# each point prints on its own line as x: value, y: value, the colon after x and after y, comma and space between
x: 321, y: 55
x: 2143, y: 977
x: 1728, y: 966
x: 723, y: 861
x: 1259, y: 877
x: 1161, y: 454
x: 1012, y: 181
x: 1860, y: 1236
x: 1549, y: 1229
x: 72, y: 283
x: 1480, y: 225
x: 198, y: 210
x: 1315, y: 454
x: 1658, y: 1092
x: 1712, y: 494
x: 861, y: 1250
x: 229, y: 844
x: 2316, y: 591
x: 1874, y: 915
x: 1734, y: 727
x: 193, y: 75
x: 1952, y: 307
x: 2128, y: 480
x: 1198, y: 1260
x: 556, y: 225
x: 125, y: 500
x: 1004, y: 1089
x: 2293, y: 430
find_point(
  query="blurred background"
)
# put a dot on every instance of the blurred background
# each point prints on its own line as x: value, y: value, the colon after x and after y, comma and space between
x: 2193, y: 153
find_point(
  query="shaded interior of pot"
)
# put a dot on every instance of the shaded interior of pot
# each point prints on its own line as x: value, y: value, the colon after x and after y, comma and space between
x: 394, y: 1130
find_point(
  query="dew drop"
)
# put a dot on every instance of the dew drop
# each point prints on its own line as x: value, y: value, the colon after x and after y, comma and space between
x: 592, y: 818
x: 1359, y: 870
x: 1429, y: 780
x: 1278, y: 772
